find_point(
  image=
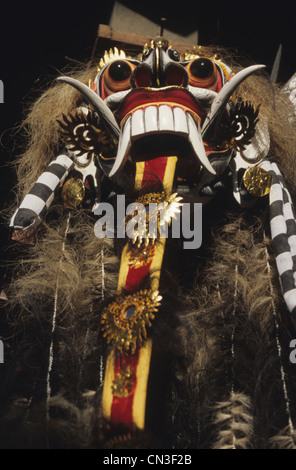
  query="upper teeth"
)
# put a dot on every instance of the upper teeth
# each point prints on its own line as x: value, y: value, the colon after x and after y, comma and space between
x: 154, y: 119
x: 160, y: 119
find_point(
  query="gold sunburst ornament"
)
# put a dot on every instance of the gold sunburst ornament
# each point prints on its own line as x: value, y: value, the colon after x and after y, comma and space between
x: 81, y: 134
x: 167, y: 207
x: 124, y: 321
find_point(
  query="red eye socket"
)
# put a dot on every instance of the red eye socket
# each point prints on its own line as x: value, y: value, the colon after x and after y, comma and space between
x: 117, y: 76
x: 202, y: 73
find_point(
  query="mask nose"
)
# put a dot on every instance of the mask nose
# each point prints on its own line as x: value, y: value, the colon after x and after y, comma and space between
x: 176, y: 75
x: 159, y: 71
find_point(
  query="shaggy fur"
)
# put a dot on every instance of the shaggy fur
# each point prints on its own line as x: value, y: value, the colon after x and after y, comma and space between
x: 234, y: 422
x: 235, y: 349
x: 216, y: 374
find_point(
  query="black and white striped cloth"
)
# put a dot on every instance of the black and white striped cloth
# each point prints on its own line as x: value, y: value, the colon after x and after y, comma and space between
x: 283, y: 233
x: 39, y: 198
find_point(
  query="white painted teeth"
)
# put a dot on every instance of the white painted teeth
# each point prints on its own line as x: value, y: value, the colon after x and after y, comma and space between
x: 151, y: 120
x: 158, y: 119
x: 138, y: 125
x: 166, y: 118
x: 180, y: 119
x: 161, y: 119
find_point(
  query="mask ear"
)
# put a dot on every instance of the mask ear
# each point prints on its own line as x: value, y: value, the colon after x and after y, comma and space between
x: 283, y: 233
x: 246, y: 158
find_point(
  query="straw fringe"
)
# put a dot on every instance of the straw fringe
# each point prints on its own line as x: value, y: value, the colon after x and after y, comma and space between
x: 234, y: 423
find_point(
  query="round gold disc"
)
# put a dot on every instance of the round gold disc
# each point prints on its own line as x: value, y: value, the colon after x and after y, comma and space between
x: 257, y: 181
x: 73, y: 192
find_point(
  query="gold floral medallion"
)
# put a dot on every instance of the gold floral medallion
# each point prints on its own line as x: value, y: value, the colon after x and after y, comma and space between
x: 125, y: 320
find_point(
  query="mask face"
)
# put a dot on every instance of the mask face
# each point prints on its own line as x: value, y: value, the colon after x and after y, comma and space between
x: 160, y: 103
x: 156, y: 130
x: 163, y: 104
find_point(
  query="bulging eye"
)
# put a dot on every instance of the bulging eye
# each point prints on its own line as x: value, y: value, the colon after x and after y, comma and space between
x: 117, y: 76
x: 202, y: 72
x: 174, y: 55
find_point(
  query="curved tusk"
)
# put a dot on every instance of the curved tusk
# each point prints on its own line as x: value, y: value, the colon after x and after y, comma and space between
x: 222, y: 98
x: 94, y: 100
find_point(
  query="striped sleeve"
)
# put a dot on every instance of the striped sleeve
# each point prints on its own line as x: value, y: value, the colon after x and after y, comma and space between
x: 283, y: 234
x: 39, y: 198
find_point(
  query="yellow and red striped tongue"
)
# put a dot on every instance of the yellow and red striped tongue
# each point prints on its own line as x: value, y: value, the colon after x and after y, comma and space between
x: 126, y: 374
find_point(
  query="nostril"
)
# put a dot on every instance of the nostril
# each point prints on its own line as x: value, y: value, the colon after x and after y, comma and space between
x: 141, y: 77
x: 175, y: 74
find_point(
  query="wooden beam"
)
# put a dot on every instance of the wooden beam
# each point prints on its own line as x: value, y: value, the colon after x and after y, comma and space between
x: 108, y: 38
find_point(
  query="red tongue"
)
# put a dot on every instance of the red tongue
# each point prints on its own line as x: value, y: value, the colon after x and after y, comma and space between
x: 173, y: 96
x: 128, y: 409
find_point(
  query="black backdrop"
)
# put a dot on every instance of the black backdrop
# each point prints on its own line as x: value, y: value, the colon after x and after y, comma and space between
x: 35, y: 38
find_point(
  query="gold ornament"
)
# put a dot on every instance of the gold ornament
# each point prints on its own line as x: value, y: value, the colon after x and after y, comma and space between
x: 73, y: 192
x: 171, y: 204
x: 161, y: 42
x: 257, y: 181
x: 113, y: 54
x: 80, y: 133
x: 125, y: 320
x: 168, y: 209
x: 123, y: 382
x: 141, y: 256
x: 198, y: 51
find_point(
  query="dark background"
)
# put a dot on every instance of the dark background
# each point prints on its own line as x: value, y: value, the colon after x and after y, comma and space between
x: 35, y: 38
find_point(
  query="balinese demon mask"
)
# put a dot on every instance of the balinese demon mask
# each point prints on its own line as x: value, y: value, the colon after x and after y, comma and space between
x: 163, y: 128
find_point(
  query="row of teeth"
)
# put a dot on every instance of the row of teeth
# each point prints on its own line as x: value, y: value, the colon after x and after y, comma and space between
x: 161, y: 119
